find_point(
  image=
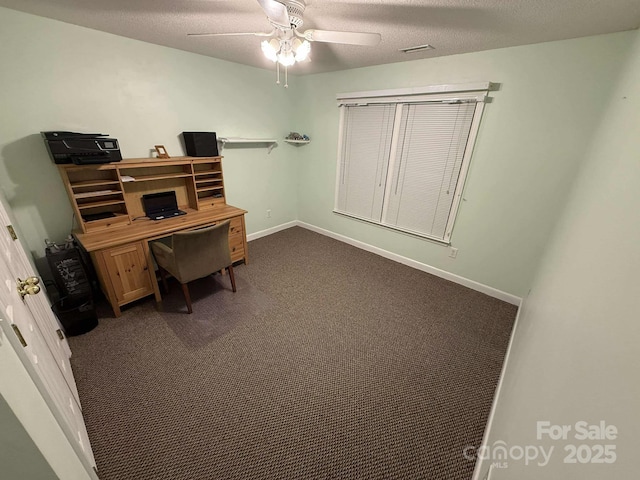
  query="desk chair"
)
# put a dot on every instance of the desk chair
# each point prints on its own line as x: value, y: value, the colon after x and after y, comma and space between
x: 192, y: 255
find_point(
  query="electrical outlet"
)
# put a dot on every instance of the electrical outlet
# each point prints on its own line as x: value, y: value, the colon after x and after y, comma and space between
x: 269, y: 213
x: 453, y: 252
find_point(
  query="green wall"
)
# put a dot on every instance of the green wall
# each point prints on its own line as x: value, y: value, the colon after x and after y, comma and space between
x: 565, y: 110
x: 531, y: 142
x: 533, y: 136
x: 57, y: 76
x: 575, y: 348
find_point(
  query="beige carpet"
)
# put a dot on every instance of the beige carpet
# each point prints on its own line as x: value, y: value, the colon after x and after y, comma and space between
x: 328, y: 363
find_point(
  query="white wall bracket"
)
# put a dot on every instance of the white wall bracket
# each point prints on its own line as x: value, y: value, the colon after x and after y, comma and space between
x: 297, y: 143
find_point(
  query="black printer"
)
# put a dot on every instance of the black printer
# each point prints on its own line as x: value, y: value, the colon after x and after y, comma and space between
x: 81, y: 148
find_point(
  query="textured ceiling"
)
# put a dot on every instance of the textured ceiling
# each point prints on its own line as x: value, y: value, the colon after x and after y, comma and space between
x: 451, y: 26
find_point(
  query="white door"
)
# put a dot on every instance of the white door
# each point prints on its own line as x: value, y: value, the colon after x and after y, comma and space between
x: 30, y: 318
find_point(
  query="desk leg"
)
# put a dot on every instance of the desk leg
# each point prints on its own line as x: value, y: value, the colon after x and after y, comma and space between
x: 105, y: 283
x: 152, y: 271
x: 246, y: 247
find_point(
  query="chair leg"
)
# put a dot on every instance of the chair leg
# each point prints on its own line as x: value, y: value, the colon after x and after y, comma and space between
x: 163, y: 276
x: 233, y: 278
x: 187, y: 297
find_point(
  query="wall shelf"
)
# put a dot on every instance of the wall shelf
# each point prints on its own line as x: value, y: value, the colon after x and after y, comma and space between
x: 269, y: 142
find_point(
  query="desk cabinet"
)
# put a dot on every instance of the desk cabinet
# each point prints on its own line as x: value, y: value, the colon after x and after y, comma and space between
x: 127, y: 271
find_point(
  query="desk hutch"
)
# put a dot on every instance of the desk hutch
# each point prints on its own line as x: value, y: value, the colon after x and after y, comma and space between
x: 118, y: 243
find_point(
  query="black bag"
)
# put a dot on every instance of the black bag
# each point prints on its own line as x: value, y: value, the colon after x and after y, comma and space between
x: 69, y: 273
x: 75, y: 309
x: 77, y: 316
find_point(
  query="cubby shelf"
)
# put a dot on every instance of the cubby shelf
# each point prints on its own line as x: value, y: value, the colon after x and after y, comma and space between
x: 164, y: 176
x: 209, y: 180
x: 95, y: 183
x: 100, y: 204
x: 114, y: 191
x: 97, y: 193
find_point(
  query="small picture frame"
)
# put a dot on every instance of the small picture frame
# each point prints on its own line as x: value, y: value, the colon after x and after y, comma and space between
x: 162, y: 152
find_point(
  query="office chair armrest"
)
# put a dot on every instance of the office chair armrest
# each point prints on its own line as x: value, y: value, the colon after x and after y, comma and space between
x: 160, y: 248
x: 164, y: 256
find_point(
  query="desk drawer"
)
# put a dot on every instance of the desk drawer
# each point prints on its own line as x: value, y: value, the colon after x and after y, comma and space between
x: 238, y: 255
x: 235, y: 227
x: 207, y: 201
x: 236, y: 239
x: 236, y: 245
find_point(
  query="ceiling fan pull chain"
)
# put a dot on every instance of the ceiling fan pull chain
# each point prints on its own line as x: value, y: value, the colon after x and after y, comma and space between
x: 286, y: 76
x: 277, y: 73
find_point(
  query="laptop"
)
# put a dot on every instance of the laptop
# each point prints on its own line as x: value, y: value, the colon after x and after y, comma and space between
x: 158, y: 206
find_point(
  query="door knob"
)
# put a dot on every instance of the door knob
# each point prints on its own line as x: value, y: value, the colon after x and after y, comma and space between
x: 29, y: 286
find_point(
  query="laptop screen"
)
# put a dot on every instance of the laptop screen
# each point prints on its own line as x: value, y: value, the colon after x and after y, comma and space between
x: 156, y: 203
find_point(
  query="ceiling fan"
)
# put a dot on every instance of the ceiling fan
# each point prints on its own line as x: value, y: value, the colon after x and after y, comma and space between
x: 287, y: 45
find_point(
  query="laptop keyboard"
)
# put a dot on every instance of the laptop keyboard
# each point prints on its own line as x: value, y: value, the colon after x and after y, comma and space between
x: 168, y: 215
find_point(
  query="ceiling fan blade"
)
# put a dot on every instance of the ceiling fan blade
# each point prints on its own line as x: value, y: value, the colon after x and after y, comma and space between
x: 276, y: 12
x: 350, y: 38
x: 233, y: 34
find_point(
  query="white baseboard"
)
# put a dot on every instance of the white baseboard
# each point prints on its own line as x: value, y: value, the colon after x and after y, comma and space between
x: 480, y: 287
x: 269, y: 231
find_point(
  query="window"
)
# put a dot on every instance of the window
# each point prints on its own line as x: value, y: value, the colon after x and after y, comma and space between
x: 403, y: 156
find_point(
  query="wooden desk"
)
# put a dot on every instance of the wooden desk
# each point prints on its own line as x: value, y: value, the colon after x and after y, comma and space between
x: 123, y: 260
x: 119, y: 243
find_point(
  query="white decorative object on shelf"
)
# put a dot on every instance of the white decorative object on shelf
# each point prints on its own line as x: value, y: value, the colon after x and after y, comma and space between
x: 271, y: 143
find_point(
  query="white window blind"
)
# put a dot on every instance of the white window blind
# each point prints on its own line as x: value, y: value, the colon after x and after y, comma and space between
x: 428, y: 158
x: 366, y: 147
x: 402, y: 163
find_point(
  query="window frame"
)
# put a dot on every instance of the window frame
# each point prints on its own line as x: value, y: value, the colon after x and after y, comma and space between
x: 475, y: 92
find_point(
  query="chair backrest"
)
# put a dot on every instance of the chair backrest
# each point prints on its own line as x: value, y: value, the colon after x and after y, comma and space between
x: 199, y: 253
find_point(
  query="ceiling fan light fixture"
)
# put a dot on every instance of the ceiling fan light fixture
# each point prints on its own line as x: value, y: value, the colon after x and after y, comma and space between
x: 270, y: 49
x: 302, y: 49
x: 287, y: 58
